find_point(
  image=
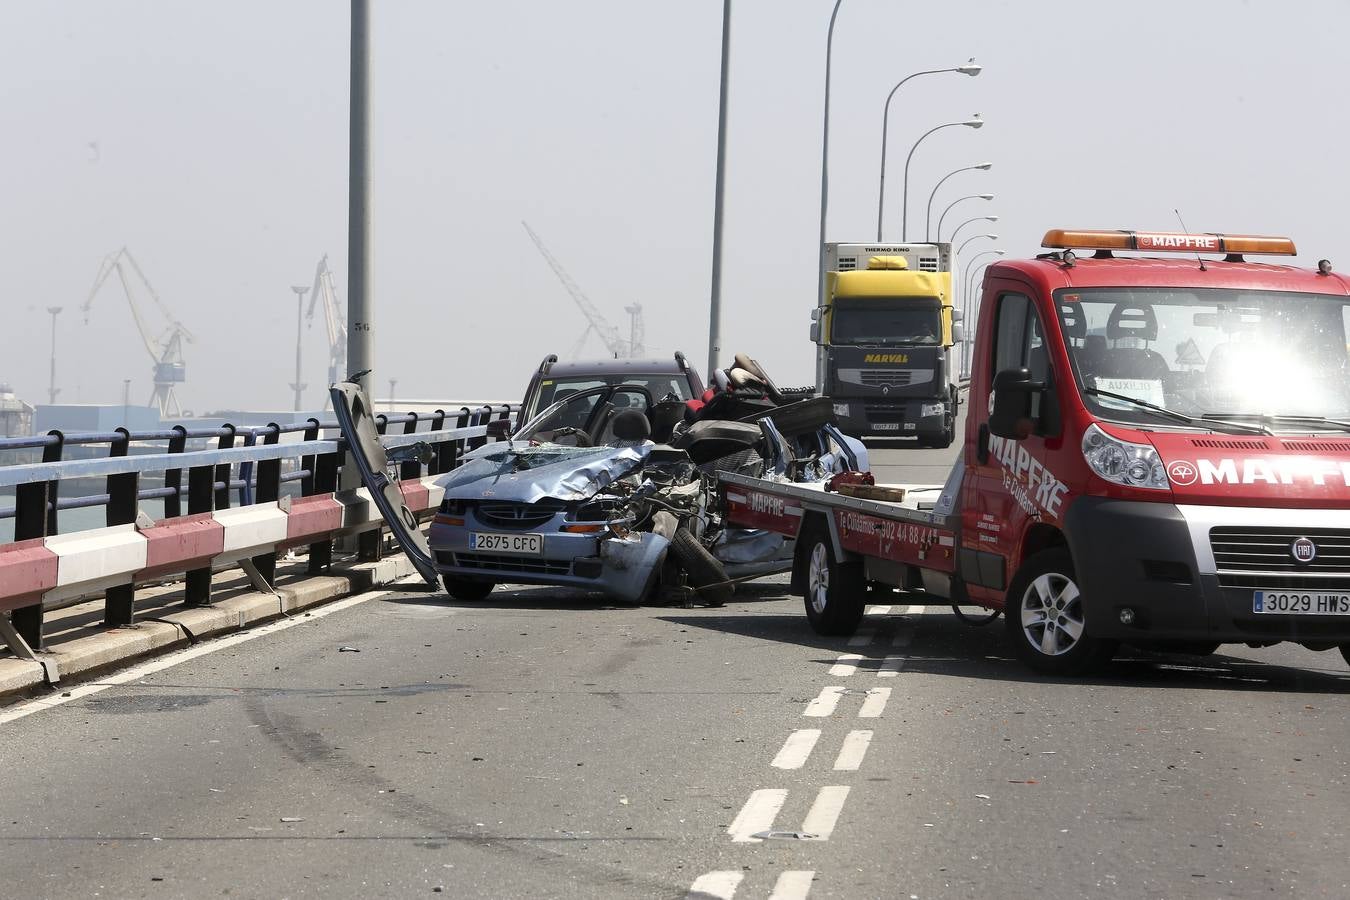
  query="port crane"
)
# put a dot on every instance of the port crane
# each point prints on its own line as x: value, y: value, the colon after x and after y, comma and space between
x: 617, y: 346
x: 166, y: 347
x: 325, y: 292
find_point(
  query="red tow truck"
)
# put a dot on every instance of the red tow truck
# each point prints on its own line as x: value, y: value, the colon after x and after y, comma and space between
x: 1157, y: 452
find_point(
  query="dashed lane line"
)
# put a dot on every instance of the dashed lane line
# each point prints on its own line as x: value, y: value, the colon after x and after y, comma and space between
x: 846, y: 665
x: 824, y: 814
x: 851, y: 754
x: 875, y: 704
x: 715, y: 886
x: 796, y: 749
x: 825, y: 703
x: 902, y: 638
x: 757, y: 815
x: 877, y: 611
x: 794, y: 885
x: 890, y: 666
x: 863, y: 637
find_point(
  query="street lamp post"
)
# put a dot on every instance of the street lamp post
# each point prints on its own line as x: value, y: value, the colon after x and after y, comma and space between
x: 715, y: 306
x: 973, y: 237
x: 928, y: 219
x: 825, y: 162
x: 360, y: 313
x: 52, y: 389
x: 957, y: 229
x: 967, y: 293
x: 973, y: 122
x: 956, y: 201
x: 970, y: 68
x: 298, y: 386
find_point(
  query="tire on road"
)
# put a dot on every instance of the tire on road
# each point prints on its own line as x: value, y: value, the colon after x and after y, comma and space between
x: 1045, y: 617
x: 702, y: 568
x: 835, y: 592
x: 466, y: 589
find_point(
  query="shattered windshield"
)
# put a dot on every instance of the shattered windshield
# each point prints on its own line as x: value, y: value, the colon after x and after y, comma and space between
x: 887, y: 320
x: 1239, y: 354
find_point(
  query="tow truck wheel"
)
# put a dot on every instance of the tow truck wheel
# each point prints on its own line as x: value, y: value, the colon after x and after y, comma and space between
x: 836, y: 593
x: 465, y: 589
x: 1045, y: 617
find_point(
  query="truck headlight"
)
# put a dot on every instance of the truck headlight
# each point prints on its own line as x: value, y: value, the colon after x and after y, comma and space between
x: 1122, y: 462
x: 841, y: 409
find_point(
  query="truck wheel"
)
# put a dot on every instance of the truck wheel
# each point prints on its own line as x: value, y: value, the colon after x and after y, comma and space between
x: 466, y: 589
x: 702, y: 567
x: 1045, y: 618
x: 836, y: 593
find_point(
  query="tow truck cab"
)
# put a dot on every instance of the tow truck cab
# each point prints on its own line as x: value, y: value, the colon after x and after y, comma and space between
x: 1158, y: 449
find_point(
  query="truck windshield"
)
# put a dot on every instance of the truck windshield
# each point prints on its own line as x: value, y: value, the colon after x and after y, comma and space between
x: 887, y: 320
x: 1243, y: 355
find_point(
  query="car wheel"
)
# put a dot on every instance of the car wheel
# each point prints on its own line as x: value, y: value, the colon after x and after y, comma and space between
x: 704, y: 569
x: 1046, y: 622
x: 836, y: 592
x: 466, y: 589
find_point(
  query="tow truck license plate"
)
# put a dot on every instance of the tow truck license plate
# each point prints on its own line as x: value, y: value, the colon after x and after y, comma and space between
x: 1301, y: 603
x: 512, y: 544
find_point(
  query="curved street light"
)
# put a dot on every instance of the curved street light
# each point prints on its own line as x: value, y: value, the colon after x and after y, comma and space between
x: 957, y: 230
x: 963, y: 367
x: 970, y: 68
x: 973, y: 237
x: 973, y: 122
x: 825, y: 160
x: 928, y: 219
x: 956, y: 201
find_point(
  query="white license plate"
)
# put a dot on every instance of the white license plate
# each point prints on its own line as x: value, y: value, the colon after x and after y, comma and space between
x: 511, y: 544
x: 1301, y: 603
x: 886, y: 426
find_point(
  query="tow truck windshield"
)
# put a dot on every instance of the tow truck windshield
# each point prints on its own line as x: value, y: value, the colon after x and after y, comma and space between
x: 1275, y: 359
x: 880, y: 321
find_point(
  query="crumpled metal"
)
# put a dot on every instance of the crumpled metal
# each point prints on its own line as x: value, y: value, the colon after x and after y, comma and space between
x: 527, y: 474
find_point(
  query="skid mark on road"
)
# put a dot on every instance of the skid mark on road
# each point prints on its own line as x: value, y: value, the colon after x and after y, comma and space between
x: 796, y: 749
x: 851, y: 754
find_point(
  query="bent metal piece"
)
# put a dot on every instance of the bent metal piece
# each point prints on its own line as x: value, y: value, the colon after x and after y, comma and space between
x: 363, y: 443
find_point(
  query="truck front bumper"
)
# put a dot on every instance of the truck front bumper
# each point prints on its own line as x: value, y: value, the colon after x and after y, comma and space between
x: 925, y: 419
x: 1153, y: 564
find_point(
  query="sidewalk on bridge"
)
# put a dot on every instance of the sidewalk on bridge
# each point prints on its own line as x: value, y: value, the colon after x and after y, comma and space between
x: 80, y: 645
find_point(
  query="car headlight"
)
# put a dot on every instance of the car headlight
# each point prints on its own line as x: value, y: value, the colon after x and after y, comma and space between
x: 1122, y: 462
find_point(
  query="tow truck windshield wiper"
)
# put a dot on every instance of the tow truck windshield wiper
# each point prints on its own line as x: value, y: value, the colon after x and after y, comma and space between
x: 1172, y: 414
x: 1267, y: 419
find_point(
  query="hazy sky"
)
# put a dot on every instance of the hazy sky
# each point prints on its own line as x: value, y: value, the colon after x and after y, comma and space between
x: 210, y: 138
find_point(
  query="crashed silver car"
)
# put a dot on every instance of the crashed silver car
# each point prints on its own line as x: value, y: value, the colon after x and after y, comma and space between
x: 613, y: 490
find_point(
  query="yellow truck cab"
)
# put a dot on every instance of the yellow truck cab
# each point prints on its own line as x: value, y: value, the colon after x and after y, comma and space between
x: 884, y: 338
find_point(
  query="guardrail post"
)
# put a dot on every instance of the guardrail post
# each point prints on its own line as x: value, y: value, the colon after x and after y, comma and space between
x: 412, y: 468
x: 481, y: 416
x: 459, y: 445
x: 173, y: 478
x: 443, y: 460
x: 268, y: 491
x: 35, y: 517
x: 119, y: 601
x: 201, y: 493
x: 323, y: 479
x: 222, y: 476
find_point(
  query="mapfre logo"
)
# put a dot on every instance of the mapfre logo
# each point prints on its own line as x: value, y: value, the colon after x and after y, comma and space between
x: 1182, y: 472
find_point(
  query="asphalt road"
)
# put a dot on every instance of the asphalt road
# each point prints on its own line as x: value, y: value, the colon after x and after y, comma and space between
x: 545, y: 744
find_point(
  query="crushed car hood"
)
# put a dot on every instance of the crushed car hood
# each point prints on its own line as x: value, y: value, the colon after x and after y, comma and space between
x: 527, y: 474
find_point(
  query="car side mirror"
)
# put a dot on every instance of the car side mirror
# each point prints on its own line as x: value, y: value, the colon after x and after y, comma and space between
x: 500, y: 429
x: 815, y: 332
x: 1010, y: 411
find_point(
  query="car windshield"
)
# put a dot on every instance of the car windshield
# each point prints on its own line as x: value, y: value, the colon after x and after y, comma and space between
x: 1236, y: 354
x: 575, y: 419
x: 887, y: 320
x: 554, y: 389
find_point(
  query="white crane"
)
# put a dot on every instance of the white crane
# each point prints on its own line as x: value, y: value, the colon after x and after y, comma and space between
x: 166, y: 349
x: 325, y: 291
x: 596, y: 323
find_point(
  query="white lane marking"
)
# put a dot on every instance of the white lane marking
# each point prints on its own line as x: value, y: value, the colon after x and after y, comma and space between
x: 915, y: 610
x: 757, y: 815
x: 851, y: 754
x: 820, y: 821
x: 715, y: 885
x: 187, y: 654
x: 875, y: 703
x: 825, y: 702
x: 794, y: 885
x: 796, y: 749
x: 902, y: 639
x: 846, y: 665
x: 877, y: 611
x: 863, y: 638
x: 890, y: 666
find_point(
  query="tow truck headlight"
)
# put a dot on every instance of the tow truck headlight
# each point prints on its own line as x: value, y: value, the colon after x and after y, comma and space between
x: 1122, y: 462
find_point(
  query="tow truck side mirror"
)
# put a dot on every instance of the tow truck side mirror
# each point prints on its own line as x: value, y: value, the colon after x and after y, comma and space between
x: 1010, y: 412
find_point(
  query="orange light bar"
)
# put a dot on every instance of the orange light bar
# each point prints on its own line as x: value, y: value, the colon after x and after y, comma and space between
x: 1167, y: 242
